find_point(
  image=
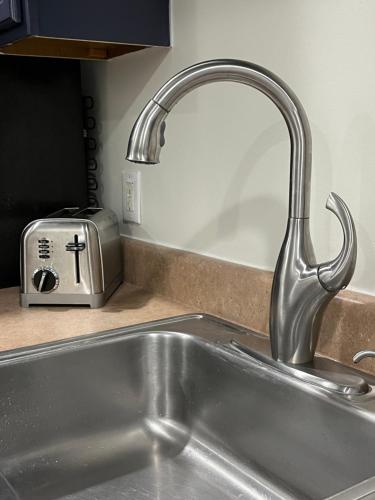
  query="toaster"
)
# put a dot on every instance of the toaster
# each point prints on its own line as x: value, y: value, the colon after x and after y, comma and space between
x: 73, y: 256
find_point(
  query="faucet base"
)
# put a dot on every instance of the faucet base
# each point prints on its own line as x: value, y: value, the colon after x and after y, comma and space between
x: 345, y: 384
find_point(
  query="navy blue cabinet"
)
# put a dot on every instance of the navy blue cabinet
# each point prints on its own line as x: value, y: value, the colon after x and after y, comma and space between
x: 10, y: 13
x: 83, y: 29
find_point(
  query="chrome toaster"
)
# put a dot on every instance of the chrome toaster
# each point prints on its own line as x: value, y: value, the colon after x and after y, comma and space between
x: 71, y: 257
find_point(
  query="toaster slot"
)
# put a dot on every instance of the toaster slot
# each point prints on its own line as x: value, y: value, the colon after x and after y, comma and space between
x: 87, y: 213
x: 76, y: 258
x: 64, y: 213
x: 76, y: 247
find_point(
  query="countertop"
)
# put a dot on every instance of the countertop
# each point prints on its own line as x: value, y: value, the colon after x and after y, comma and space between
x: 129, y: 305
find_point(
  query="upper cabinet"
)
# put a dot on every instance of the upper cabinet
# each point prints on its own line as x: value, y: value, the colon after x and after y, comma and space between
x: 82, y: 29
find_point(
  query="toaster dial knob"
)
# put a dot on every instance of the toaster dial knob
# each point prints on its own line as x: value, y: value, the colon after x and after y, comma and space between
x: 45, y: 280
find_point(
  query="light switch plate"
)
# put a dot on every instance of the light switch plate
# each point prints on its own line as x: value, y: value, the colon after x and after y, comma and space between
x: 131, y: 196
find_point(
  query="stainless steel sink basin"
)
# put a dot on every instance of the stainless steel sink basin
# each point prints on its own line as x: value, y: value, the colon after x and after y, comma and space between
x: 168, y: 411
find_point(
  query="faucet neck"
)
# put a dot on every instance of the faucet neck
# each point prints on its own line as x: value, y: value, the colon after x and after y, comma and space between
x: 279, y: 93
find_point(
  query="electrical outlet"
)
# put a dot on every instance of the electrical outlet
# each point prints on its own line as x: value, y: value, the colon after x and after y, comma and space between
x: 131, y: 196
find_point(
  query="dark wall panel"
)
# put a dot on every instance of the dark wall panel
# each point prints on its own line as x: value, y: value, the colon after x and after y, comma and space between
x: 42, y: 161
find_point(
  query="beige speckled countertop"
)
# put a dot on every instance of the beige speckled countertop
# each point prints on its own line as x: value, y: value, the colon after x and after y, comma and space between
x: 129, y: 305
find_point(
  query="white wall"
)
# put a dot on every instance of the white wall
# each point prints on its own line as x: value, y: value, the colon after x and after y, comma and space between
x: 221, y: 188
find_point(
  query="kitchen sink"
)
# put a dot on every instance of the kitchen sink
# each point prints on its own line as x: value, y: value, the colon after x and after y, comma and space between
x: 169, y: 410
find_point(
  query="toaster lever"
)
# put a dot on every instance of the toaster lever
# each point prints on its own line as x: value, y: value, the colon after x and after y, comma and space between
x: 75, y: 247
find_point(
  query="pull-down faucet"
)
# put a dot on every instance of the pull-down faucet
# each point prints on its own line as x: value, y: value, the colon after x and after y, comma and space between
x: 301, y: 288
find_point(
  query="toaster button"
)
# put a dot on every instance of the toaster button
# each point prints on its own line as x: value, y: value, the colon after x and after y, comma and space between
x: 44, y: 252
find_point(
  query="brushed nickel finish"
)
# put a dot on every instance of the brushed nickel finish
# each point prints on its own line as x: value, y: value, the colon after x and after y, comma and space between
x: 362, y: 355
x: 99, y: 257
x: 301, y: 288
x: 341, y: 383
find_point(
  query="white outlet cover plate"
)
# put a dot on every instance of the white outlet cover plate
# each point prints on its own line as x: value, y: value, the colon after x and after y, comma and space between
x: 131, y: 196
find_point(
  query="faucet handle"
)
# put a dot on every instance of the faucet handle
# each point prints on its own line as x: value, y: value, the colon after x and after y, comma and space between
x: 362, y: 355
x: 337, y: 273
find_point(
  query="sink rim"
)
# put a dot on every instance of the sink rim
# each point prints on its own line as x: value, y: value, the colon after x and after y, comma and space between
x: 226, y: 333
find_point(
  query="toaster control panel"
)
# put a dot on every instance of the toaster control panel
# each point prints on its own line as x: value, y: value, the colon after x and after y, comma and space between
x: 44, y: 248
x: 45, y: 279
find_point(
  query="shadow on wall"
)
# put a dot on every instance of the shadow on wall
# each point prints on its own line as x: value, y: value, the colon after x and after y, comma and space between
x: 321, y: 185
x: 226, y: 224
x: 265, y: 214
x: 360, y: 169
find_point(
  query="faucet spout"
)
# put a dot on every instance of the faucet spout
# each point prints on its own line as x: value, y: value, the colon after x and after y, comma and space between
x: 147, y: 139
x: 301, y: 289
